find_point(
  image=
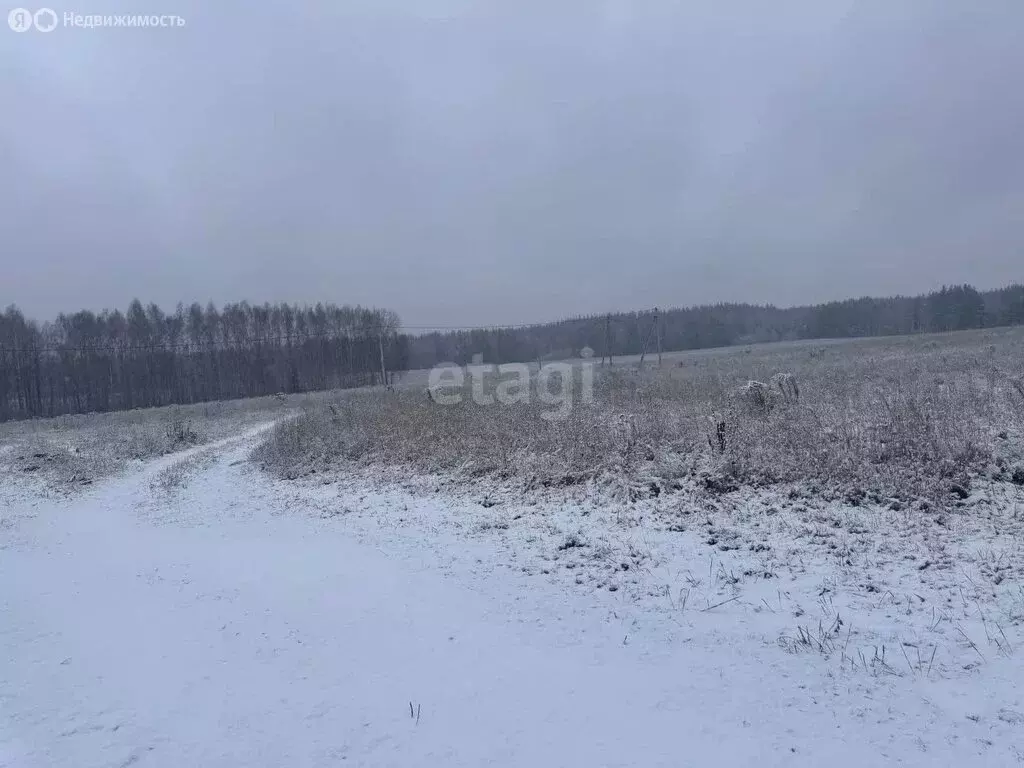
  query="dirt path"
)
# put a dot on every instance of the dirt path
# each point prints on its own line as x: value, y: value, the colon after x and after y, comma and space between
x: 201, y: 625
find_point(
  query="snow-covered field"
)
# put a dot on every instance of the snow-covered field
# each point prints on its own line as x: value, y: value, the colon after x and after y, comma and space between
x: 194, y: 611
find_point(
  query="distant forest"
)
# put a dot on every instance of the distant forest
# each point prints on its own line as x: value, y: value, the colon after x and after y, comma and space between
x: 952, y: 308
x: 146, y: 357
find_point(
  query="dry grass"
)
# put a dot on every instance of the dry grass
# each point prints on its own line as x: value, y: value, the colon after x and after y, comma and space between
x: 68, y: 452
x: 905, y: 418
x: 177, y: 476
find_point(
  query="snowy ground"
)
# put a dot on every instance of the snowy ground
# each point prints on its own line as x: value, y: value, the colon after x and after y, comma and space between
x: 194, y: 612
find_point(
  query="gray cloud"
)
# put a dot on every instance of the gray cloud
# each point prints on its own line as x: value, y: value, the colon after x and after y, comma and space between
x: 478, y: 162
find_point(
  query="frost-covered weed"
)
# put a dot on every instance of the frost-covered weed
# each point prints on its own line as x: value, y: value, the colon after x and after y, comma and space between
x: 881, y: 418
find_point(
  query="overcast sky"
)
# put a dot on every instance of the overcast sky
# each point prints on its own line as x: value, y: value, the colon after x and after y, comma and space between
x: 498, y: 162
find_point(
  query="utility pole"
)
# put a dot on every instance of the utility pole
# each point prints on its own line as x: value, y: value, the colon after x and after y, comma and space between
x: 383, y: 370
x: 647, y: 341
x: 657, y: 319
x: 607, y: 340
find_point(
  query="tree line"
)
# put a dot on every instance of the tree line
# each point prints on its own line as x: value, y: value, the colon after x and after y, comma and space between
x: 951, y: 308
x: 85, y: 362
x: 146, y: 357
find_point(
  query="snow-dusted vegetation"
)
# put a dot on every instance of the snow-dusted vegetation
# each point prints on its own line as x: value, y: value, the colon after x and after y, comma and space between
x: 66, y: 453
x: 914, y: 421
x: 830, y: 563
x: 866, y: 508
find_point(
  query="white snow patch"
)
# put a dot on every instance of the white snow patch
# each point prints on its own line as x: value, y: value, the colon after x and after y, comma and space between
x: 238, y: 621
